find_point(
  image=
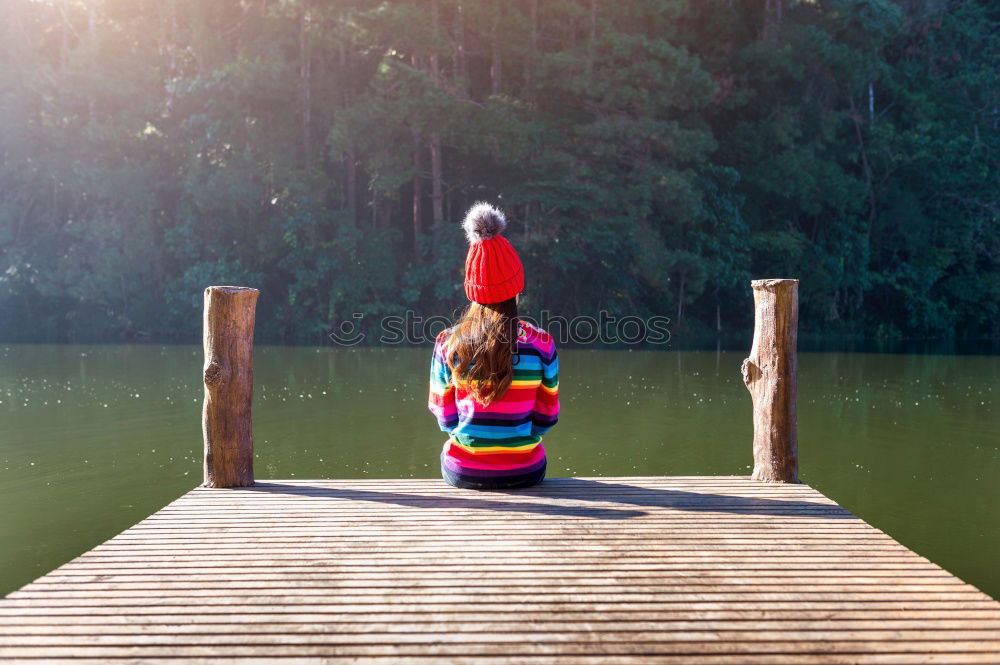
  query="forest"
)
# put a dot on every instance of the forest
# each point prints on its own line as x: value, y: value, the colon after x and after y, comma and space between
x: 652, y: 156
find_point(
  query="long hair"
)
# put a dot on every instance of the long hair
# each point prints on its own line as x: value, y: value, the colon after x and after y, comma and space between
x: 481, y: 349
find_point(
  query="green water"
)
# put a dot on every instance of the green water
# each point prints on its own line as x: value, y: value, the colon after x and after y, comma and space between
x: 94, y: 438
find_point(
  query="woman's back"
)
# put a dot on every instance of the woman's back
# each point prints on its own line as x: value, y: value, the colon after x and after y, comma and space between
x: 516, y: 421
x: 498, y: 444
x: 494, y: 396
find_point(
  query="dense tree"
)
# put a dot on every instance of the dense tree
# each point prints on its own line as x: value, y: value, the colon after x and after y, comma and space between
x: 652, y: 156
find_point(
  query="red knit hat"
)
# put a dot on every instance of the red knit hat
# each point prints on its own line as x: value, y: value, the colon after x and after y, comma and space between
x: 493, y: 271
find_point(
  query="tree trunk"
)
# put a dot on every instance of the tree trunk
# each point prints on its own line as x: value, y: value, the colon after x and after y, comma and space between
x: 197, y: 22
x: 417, y: 212
x: 228, y: 375
x: 680, y: 299
x: 437, y: 187
x: 435, y: 28
x: 459, y: 44
x: 534, y: 28
x: 172, y: 50
x: 770, y: 374
x: 437, y: 192
x: 352, y: 181
x: 592, y: 37
x: 866, y: 167
x: 305, y: 76
x: 772, y: 18
x: 495, y: 73
x: 92, y: 38
x: 533, y: 59
x: 871, y: 103
x: 351, y: 158
x: 448, y: 194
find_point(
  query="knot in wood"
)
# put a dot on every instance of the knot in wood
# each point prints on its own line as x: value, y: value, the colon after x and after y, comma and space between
x: 750, y: 371
x: 214, y: 374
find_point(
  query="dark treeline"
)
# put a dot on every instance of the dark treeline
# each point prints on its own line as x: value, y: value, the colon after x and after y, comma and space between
x: 652, y: 156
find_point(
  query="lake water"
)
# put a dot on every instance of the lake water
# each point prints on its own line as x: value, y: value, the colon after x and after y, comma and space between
x: 94, y: 438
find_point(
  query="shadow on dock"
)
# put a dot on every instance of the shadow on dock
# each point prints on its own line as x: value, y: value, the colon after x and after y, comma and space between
x: 571, y: 489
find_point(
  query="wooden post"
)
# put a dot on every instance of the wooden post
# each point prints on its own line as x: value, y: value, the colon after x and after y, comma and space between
x: 770, y: 376
x: 226, y: 419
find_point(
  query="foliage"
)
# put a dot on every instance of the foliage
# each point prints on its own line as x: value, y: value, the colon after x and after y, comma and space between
x: 652, y: 156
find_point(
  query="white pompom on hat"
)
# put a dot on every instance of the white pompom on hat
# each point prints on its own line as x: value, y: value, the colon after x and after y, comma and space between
x: 483, y: 221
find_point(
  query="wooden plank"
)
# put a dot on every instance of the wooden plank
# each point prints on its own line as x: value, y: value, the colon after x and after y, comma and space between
x: 901, y: 627
x: 624, y: 570
x: 501, y: 659
x: 485, y: 644
x: 661, y: 564
x: 587, y: 574
x: 656, y: 639
x: 676, y: 617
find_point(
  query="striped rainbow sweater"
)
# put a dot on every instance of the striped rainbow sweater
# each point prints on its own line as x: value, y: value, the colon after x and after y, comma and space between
x: 504, y: 437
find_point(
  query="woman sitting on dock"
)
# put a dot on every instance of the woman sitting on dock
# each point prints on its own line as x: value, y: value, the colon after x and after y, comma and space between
x: 494, y: 384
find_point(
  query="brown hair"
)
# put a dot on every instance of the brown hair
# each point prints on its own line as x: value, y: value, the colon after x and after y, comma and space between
x: 481, y: 349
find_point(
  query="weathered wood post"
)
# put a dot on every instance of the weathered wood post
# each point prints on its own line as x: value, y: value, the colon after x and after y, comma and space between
x: 770, y: 374
x: 226, y: 418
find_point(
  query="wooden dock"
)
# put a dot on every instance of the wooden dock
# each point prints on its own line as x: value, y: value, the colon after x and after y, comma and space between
x: 577, y: 570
